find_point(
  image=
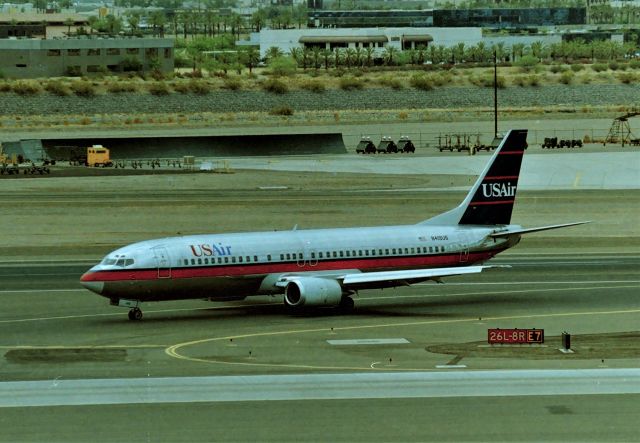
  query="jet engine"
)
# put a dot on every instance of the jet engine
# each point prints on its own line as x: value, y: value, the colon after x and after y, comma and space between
x: 312, y: 291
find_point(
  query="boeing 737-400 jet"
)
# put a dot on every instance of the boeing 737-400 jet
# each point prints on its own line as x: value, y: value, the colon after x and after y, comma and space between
x: 323, y: 267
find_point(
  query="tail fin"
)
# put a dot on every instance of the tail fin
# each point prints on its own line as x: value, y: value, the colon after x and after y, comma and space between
x: 490, y: 200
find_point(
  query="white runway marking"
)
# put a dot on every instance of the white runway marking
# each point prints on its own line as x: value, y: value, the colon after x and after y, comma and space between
x: 319, y: 386
x: 369, y: 341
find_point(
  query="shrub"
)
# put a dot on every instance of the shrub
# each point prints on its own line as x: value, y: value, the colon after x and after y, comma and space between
x: 232, y: 84
x: 633, y: 64
x: 527, y: 63
x: 627, y: 77
x: 566, y: 77
x: 555, y: 68
x: 421, y: 82
x: 158, y: 88
x: 391, y: 82
x: 520, y: 80
x: 282, y: 110
x: 117, y: 87
x: 577, y: 67
x: 73, y: 71
x: 534, y: 80
x: 181, y: 87
x: 83, y: 89
x: 5, y: 87
x: 614, y: 65
x: 350, y: 83
x: 56, y: 87
x: 199, y: 87
x: 599, y: 67
x: 313, y: 86
x: 275, y: 86
x: 131, y: 64
x: 24, y: 87
x: 283, y: 66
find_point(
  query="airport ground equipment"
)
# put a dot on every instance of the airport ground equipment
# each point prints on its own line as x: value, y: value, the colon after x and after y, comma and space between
x: 387, y: 146
x: 98, y: 156
x: 366, y: 146
x: 550, y: 143
x: 620, y: 131
x: 406, y: 145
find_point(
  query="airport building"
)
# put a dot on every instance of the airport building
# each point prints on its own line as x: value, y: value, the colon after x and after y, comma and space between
x: 376, y: 38
x: 32, y: 25
x: 36, y: 58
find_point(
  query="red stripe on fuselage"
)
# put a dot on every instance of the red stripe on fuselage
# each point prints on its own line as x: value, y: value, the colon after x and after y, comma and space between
x: 238, y: 270
x: 511, y: 153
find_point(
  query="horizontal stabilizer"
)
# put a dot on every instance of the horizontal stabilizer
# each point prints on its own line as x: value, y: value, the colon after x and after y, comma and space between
x: 527, y: 231
x: 414, y: 274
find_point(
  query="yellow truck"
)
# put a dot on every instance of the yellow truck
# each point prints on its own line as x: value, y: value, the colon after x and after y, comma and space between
x: 98, y: 156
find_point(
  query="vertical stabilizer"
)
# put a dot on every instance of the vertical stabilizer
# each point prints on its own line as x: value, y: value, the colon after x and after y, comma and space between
x: 490, y: 200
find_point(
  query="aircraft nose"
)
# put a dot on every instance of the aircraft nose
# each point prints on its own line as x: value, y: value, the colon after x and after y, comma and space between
x: 92, y: 285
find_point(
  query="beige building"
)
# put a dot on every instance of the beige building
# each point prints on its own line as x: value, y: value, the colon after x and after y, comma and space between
x: 37, y: 58
x: 31, y: 24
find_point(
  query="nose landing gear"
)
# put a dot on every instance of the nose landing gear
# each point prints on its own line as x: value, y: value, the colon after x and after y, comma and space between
x: 135, y: 314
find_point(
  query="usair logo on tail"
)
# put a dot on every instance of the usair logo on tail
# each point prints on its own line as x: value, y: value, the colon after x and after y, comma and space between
x: 498, y: 190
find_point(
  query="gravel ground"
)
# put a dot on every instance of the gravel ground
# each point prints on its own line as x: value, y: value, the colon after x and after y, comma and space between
x: 338, y: 100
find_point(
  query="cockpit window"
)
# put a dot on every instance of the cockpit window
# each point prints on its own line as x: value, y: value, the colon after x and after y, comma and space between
x: 119, y: 261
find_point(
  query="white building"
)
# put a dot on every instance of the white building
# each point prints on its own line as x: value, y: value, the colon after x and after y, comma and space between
x: 376, y: 38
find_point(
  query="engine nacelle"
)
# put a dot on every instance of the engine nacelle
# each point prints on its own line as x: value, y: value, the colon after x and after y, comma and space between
x: 312, y: 291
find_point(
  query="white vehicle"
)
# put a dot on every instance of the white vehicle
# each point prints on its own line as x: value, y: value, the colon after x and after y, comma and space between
x: 323, y: 267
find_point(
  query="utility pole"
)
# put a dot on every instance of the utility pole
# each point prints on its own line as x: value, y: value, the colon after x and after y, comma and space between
x: 495, y: 93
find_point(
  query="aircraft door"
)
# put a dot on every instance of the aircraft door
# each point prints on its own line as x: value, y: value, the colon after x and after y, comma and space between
x: 464, y: 247
x: 162, y: 261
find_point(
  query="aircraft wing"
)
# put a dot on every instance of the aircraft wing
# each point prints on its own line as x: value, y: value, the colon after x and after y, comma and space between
x: 407, y: 276
x: 541, y: 228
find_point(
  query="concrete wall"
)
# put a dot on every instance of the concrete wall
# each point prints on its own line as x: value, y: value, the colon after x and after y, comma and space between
x: 202, y: 146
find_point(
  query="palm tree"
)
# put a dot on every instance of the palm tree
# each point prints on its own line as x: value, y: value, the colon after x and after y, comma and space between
x: 316, y: 54
x: 250, y: 57
x: 517, y: 49
x: 368, y: 55
x: 157, y: 20
x: 237, y: 22
x: 338, y: 56
x: 133, y: 20
x: 390, y: 55
x: 306, y: 55
x: 349, y: 57
x: 326, y: 56
x: 499, y: 51
x: 537, y: 49
x: 295, y: 53
x: 458, y: 53
x: 258, y: 19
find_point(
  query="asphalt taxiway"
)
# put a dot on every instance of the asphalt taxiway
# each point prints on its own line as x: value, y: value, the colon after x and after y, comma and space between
x: 59, y: 341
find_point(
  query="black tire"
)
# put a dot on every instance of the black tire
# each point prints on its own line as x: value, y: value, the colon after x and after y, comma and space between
x: 346, y: 305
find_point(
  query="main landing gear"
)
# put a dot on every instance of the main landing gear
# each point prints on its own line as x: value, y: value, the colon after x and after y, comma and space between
x: 346, y: 305
x: 135, y: 314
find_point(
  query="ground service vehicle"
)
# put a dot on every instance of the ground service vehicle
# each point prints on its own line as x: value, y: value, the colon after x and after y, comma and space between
x: 98, y: 156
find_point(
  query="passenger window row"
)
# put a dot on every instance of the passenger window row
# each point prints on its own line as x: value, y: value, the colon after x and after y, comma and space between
x: 314, y: 255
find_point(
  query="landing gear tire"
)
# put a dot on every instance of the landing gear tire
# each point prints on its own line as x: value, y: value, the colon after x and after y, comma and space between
x: 346, y: 305
x: 135, y: 314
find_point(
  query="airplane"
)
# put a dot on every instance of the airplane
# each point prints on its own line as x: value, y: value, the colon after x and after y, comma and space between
x: 323, y: 267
